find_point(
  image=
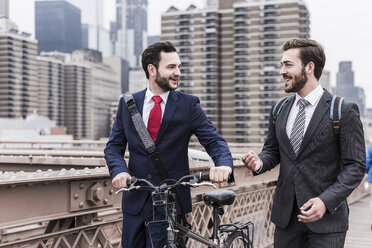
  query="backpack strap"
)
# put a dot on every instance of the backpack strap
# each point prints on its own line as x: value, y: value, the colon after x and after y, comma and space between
x: 335, y: 113
x: 150, y: 146
x: 278, y: 106
x: 140, y: 126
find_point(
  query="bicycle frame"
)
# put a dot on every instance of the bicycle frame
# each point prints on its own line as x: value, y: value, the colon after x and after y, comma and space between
x: 161, y: 197
x: 187, y: 232
x: 161, y: 200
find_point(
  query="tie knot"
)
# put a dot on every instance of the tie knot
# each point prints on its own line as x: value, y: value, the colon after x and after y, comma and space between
x: 157, y: 99
x: 303, y: 103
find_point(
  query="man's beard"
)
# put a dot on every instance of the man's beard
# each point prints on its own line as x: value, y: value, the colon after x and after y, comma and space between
x: 163, y: 82
x: 298, y: 82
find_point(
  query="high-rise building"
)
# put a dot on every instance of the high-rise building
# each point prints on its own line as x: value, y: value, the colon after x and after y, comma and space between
x: 77, y: 95
x: 57, y: 26
x: 18, y: 72
x: 7, y: 26
x: 51, y: 89
x: 60, y: 76
x: 4, y: 8
x: 94, y: 35
x: 136, y: 31
x: 105, y: 89
x: 230, y: 58
x: 120, y: 66
x: 325, y: 80
x: 128, y: 34
x: 113, y: 112
x: 130, y: 30
x: 212, y: 4
x: 78, y: 100
x: 137, y: 80
x: 345, y: 86
x: 151, y: 39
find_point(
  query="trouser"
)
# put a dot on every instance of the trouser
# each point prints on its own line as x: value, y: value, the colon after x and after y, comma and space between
x: 298, y: 235
x: 137, y: 234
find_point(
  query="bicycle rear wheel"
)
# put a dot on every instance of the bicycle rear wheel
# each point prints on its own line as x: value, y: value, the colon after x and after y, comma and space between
x: 238, y: 240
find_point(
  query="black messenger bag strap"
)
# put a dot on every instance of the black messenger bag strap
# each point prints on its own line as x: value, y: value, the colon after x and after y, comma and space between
x: 149, y: 143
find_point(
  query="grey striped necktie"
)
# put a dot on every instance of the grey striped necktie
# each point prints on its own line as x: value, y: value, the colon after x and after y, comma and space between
x: 298, y: 127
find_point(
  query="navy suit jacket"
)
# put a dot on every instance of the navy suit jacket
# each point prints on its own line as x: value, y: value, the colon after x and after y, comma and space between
x: 327, y: 166
x: 183, y: 116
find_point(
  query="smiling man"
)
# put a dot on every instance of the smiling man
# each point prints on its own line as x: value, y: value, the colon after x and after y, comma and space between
x: 171, y: 117
x: 318, y: 169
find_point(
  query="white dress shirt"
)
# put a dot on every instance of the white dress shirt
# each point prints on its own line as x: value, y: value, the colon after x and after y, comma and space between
x: 149, y: 103
x: 313, y: 98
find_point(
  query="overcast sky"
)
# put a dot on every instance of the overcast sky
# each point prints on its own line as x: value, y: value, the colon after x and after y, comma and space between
x: 343, y: 27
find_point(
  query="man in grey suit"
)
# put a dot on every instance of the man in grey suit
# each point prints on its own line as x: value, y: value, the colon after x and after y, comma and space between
x: 318, y: 169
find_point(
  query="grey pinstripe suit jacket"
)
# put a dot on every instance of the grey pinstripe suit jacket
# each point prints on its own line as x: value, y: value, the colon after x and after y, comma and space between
x: 326, y: 166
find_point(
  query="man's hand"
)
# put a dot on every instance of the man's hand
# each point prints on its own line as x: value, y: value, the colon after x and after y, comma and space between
x: 219, y: 174
x: 252, y: 161
x: 312, y: 210
x: 120, y: 180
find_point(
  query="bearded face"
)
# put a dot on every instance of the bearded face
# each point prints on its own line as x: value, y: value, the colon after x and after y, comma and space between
x: 295, y: 83
x: 168, y: 72
x: 170, y: 83
x: 293, y: 71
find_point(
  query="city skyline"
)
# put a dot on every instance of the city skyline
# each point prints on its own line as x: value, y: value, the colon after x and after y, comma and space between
x: 231, y: 66
x: 341, y: 30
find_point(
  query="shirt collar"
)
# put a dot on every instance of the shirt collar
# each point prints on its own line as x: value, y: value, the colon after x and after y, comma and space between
x: 149, y: 95
x: 313, y: 96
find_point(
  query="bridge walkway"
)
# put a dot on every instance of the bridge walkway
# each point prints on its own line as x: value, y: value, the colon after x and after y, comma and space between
x: 360, y: 233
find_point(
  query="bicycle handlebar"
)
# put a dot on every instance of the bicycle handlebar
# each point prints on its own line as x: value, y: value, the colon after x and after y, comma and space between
x: 193, y: 180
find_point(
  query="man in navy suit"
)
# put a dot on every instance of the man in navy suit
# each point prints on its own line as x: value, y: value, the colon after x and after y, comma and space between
x: 180, y: 116
x: 318, y: 169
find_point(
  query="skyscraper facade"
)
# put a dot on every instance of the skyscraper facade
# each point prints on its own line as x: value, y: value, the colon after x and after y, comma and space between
x: 230, y: 58
x: 136, y: 30
x: 94, y: 34
x: 66, y: 91
x: 78, y: 100
x: 130, y: 30
x: 4, y: 8
x: 128, y: 35
x: 51, y: 89
x: 18, y: 72
x: 345, y: 86
x: 57, y: 26
x: 325, y: 80
x: 105, y: 89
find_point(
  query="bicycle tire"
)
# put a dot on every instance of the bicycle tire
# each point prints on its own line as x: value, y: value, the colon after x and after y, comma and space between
x: 237, y: 240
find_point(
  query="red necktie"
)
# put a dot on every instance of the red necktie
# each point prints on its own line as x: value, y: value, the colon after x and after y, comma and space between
x: 153, y: 124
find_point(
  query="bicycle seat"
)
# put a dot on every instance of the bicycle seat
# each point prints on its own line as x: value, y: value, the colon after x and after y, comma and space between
x: 219, y: 197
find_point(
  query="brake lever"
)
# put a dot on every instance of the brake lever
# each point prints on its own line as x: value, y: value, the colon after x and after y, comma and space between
x: 121, y: 190
x: 126, y: 189
x: 194, y: 185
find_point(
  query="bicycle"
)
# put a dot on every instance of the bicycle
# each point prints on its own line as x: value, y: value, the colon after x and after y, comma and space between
x: 223, y: 236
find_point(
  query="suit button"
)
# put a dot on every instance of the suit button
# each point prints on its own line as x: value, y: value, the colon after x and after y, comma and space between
x: 149, y: 176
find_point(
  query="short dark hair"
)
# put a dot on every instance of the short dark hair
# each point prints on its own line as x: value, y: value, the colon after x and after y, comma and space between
x: 310, y: 51
x: 151, y: 55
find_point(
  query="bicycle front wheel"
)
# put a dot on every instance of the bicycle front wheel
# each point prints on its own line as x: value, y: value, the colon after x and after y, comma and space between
x: 238, y: 240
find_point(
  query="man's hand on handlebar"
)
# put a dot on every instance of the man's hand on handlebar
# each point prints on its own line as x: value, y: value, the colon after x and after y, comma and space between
x: 219, y: 174
x: 120, y: 180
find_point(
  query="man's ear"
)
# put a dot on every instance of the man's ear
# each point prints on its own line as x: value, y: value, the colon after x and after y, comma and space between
x: 310, y: 67
x: 151, y: 69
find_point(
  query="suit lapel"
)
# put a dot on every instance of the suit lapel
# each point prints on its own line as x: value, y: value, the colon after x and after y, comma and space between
x: 318, y: 114
x: 170, y: 107
x: 281, y: 124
